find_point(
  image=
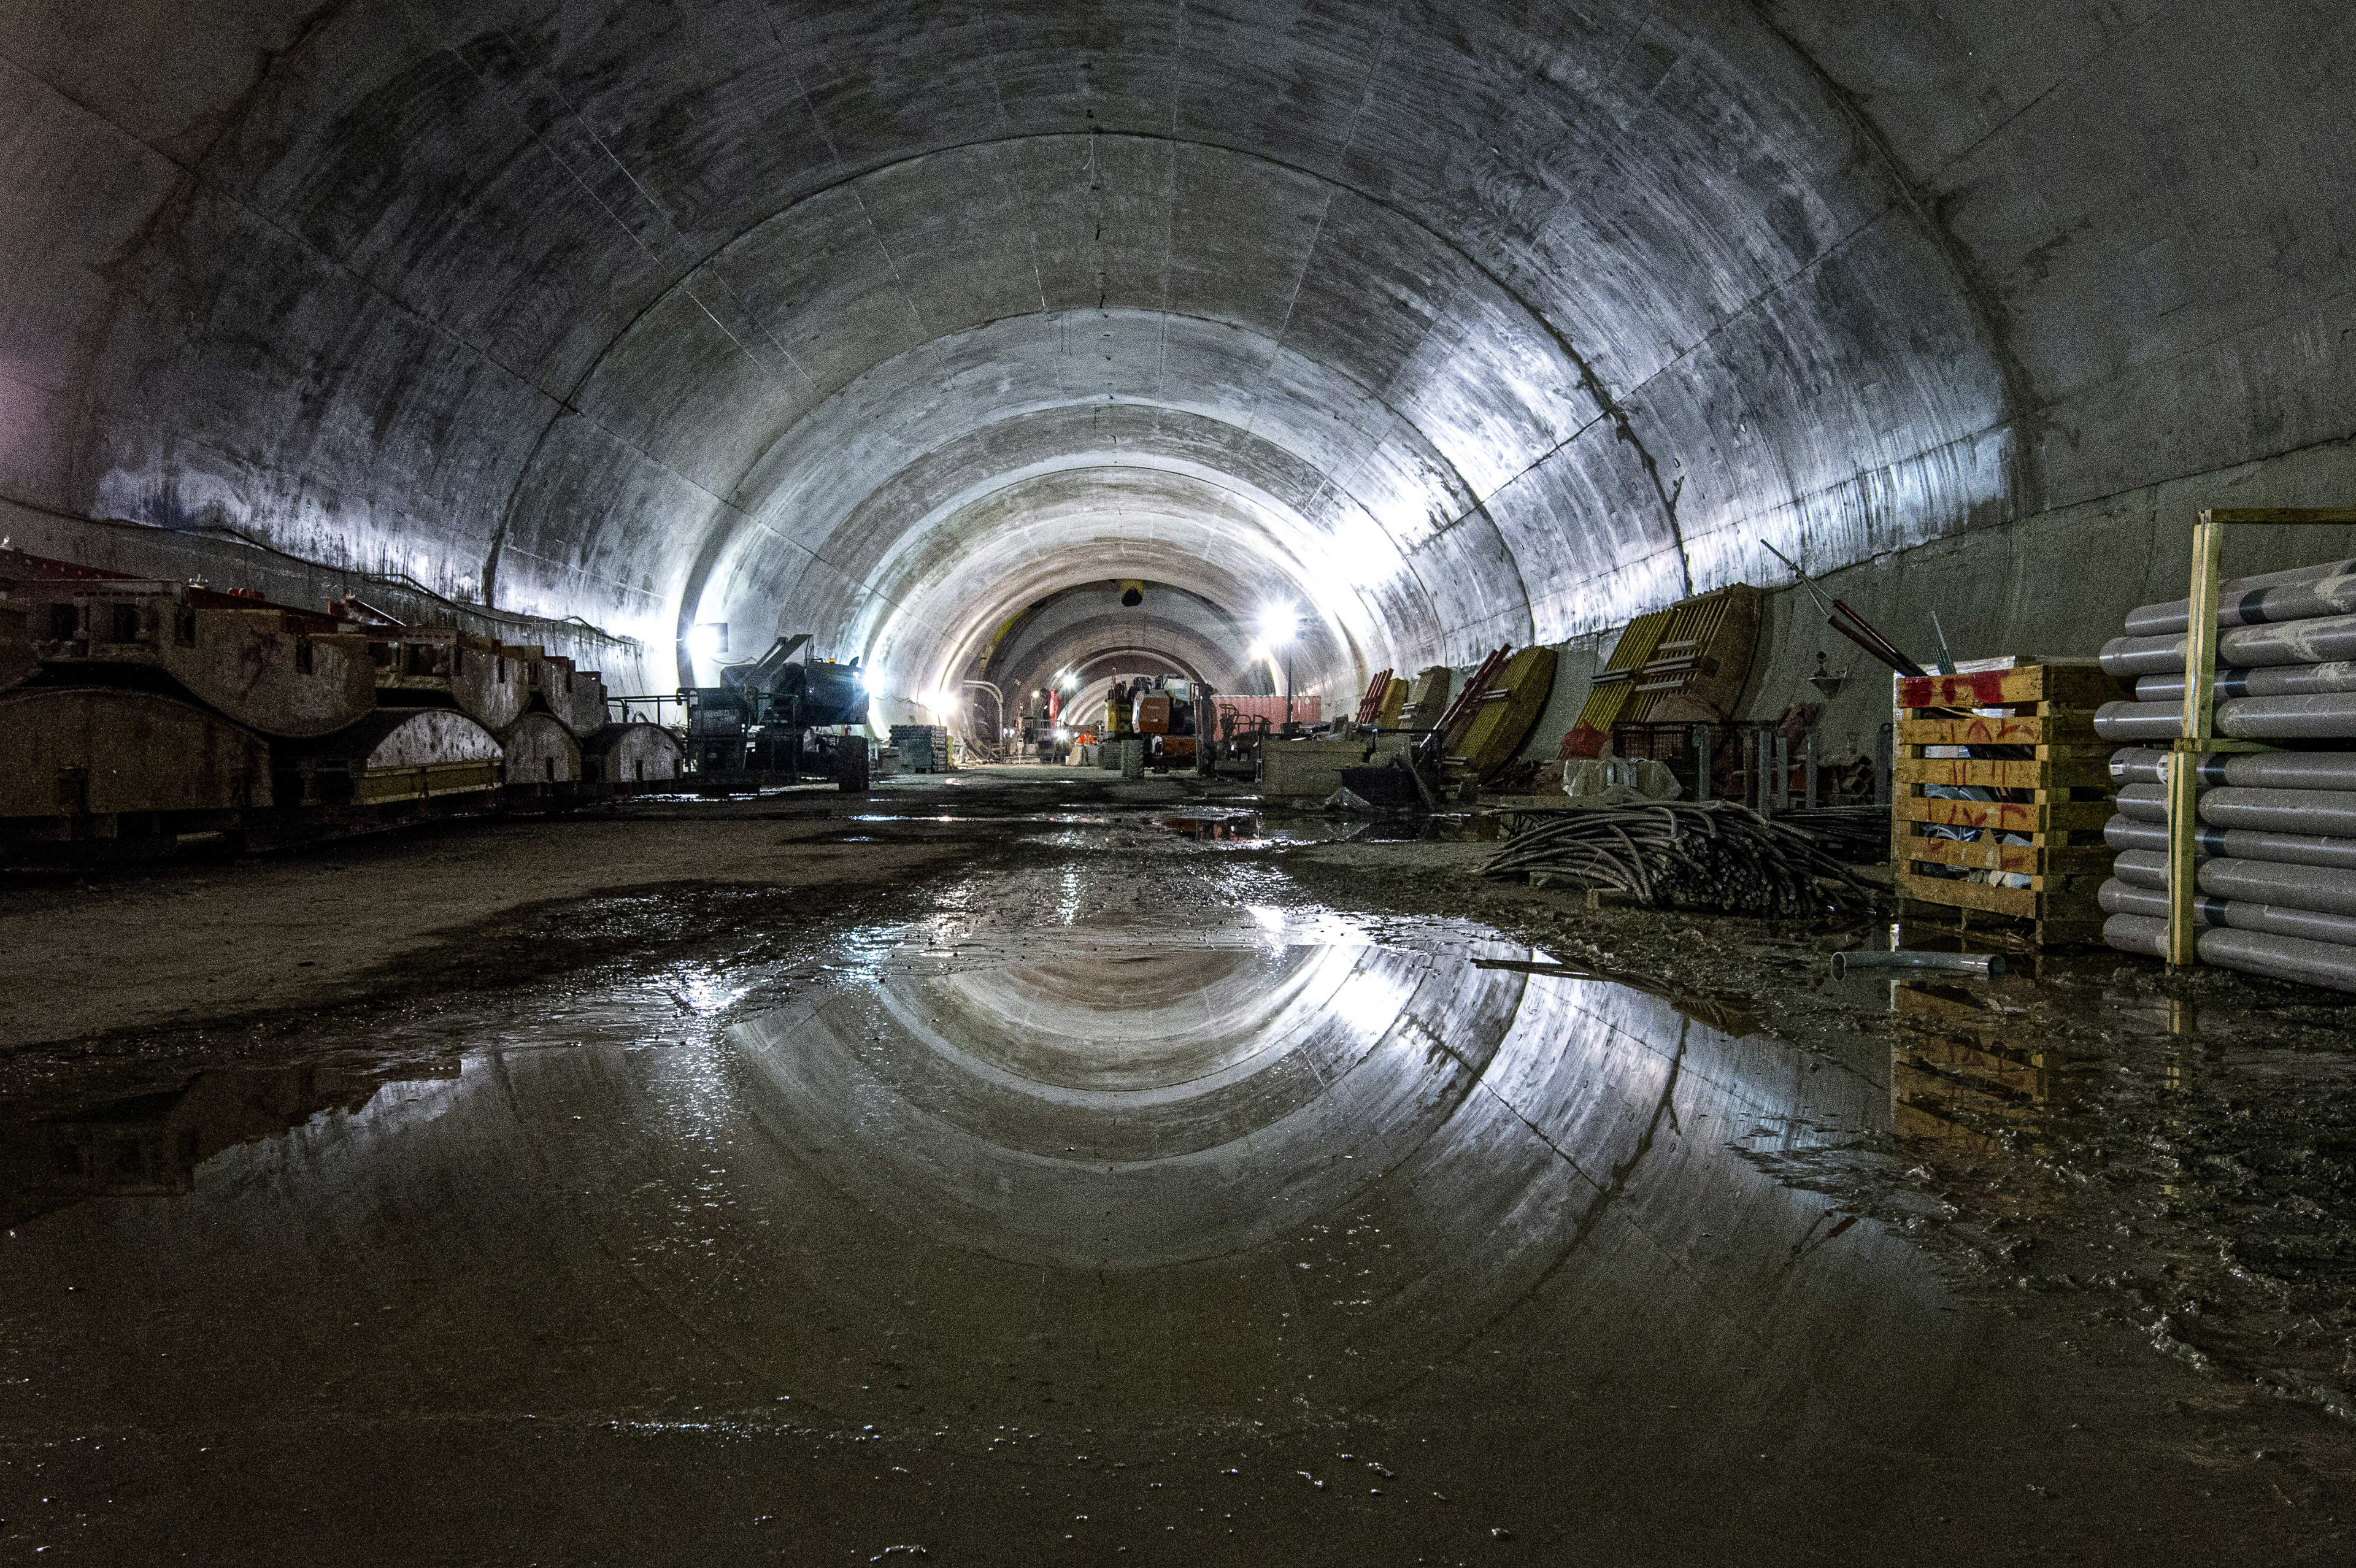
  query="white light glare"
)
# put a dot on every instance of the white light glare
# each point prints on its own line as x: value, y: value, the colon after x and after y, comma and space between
x: 707, y: 639
x: 1277, y: 625
x: 938, y: 701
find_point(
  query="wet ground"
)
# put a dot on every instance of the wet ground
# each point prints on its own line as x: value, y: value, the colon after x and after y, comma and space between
x: 1117, y: 1174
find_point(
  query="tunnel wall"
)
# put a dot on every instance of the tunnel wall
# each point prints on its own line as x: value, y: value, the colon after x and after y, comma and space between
x: 586, y: 316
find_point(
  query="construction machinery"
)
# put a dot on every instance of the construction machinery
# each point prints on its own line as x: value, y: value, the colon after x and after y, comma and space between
x: 1160, y: 709
x: 135, y: 711
x: 761, y: 717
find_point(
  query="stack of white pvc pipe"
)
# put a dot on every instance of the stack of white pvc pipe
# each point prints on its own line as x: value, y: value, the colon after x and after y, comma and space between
x: 2285, y: 661
x: 2276, y: 862
x: 2276, y: 835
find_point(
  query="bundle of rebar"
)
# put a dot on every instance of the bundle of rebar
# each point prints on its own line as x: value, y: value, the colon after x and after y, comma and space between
x: 1715, y: 856
x: 1857, y: 835
x: 2275, y: 844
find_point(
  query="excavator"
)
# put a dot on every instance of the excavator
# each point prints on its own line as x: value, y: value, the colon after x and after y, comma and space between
x: 1161, y: 710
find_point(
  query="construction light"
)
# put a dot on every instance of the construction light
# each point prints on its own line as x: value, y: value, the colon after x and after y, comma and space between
x: 708, y: 639
x: 1277, y: 625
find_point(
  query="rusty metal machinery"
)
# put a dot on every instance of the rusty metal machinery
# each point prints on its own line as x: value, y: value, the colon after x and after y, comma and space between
x: 18, y: 664
x: 434, y: 666
x: 280, y: 672
x: 573, y: 698
x: 136, y: 711
x: 94, y: 752
x: 540, y: 751
x: 631, y: 753
x: 394, y: 754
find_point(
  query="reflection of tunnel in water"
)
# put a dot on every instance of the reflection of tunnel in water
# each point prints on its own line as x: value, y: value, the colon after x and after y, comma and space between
x: 1249, y: 1169
x: 1228, y: 1197
x: 1385, y: 1149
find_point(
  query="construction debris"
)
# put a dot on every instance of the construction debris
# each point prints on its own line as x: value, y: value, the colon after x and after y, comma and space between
x: 1716, y: 856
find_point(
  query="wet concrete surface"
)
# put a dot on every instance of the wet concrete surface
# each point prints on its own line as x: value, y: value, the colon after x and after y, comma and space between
x: 1107, y: 1193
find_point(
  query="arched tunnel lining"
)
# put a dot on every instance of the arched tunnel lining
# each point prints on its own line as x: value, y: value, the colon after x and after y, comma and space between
x: 1506, y: 334
x: 1450, y: 325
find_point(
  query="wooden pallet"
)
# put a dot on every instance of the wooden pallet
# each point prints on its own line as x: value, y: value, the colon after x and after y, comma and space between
x: 2058, y: 796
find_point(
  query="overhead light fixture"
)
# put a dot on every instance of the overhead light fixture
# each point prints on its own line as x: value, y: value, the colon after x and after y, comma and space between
x: 1277, y: 624
x: 708, y: 639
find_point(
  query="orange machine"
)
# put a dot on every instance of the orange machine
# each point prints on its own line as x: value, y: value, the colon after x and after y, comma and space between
x: 1161, y: 708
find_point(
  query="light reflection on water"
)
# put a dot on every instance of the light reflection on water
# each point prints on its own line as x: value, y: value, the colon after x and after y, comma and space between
x: 1268, y: 1142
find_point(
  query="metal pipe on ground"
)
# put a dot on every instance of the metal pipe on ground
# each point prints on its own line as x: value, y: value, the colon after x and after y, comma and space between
x: 2319, y: 641
x: 2270, y: 680
x: 2327, y: 593
x: 2270, y: 769
x: 2117, y: 898
x: 2329, y: 715
x: 1980, y: 964
x: 2236, y: 844
x: 2267, y: 594
x: 2291, y: 958
x: 2320, y: 887
x: 2330, y: 813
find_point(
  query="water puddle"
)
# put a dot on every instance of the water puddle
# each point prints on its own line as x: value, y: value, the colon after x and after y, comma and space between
x: 1224, y: 827
x: 889, y: 1150
x: 1129, y: 1169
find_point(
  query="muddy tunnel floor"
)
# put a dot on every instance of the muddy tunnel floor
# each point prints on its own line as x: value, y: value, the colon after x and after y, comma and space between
x: 1024, y: 1168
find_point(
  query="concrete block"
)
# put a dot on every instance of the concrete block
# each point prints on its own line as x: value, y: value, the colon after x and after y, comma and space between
x: 1310, y: 768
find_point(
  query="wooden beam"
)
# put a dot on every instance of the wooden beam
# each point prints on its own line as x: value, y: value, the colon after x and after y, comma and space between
x: 2199, y: 706
x: 2281, y: 514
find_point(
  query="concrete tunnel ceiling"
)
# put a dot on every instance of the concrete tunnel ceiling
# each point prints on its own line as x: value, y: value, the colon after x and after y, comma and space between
x: 1451, y: 324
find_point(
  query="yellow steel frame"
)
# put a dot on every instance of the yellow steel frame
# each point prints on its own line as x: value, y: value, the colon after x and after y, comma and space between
x: 2197, y: 737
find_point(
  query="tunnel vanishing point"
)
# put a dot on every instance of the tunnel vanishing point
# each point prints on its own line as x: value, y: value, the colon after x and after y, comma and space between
x: 1452, y: 325
x: 1065, y: 1160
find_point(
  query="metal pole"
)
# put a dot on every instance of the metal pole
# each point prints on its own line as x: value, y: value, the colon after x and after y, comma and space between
x: 1702, y: 761
x: 2184, y: 765
x: 1783, y: 773
x: 1883, y: 766
x: 1808, y: 761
